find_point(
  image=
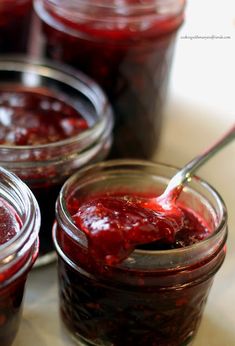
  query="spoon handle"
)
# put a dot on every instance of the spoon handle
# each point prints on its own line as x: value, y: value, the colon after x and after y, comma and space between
x: 185, y: 174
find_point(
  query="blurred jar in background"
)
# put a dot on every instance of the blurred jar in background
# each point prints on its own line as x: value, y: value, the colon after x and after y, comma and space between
x: 127, y: 47
x: 15, y: 20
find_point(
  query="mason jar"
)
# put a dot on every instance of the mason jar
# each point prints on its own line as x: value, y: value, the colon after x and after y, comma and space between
x: 15, y: 20
x: 29, y: 92
x: 153, y: 297
x: 19, y: 226
x: 127, y: 47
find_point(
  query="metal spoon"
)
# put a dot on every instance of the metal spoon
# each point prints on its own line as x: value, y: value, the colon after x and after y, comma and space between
x: 184, y: 175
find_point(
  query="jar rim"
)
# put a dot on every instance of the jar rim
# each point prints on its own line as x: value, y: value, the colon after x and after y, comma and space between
x: 59, y: 14
x: 105, y: 4
x: 180, y: 252
x: 23, y: 240
x: 73, y: 78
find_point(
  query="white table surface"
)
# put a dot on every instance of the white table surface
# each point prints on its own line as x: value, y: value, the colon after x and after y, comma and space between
x: 199, y: 108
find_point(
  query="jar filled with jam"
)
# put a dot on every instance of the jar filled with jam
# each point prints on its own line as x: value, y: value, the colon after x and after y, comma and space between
x: 19, y: 226
x: 53, y: 121
x: 128, y: 274
x: 127, y: 47
x: 15, y: 20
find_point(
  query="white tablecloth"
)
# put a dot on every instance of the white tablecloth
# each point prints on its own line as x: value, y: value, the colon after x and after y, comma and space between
x: 200, y: 108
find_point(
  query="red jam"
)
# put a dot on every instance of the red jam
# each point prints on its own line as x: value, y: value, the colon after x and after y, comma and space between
x: 101, y: 300
x: 10, y: 223
x: 129, y: 59
x: 116, y: 225
x: 10, y: 310
x: 31, y: 117
x: 11, y: 296
x: 15, y: 18
x: 35, y: 117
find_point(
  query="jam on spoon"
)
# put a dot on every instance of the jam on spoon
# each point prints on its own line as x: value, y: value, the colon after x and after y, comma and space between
x: 116, y: 225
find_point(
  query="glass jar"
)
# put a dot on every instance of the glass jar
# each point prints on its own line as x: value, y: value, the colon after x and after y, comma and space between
x: 152, y: 297
x: 45, y: 167
x: 127, y: 47
x: 15, y: 19
x: 18, y: 254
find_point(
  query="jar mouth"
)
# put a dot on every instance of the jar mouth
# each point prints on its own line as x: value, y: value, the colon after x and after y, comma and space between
x: 154, y: 5
x: 20, y: 197
x: 128, y: 165
x: 120, y: 22
x: 33, y: 71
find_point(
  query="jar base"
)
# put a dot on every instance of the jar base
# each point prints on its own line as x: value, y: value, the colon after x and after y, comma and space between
x: 80, y: 341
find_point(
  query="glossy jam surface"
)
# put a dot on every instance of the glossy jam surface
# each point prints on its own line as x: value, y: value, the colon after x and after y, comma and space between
x: 101, y: 300
x: 10, y: 222
x: 38, y: 116
x: 116, y: 225
x: 35, y: 117
x: 131, y: 61
x: 11, y: 296
x: 15, y: 18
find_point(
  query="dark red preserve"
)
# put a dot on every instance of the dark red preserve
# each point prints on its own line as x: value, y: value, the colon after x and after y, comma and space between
x: 124, y: 267
x: 36, y: 116
x: 52, y: 121
x: 127, y: 47
x: 116, y: 224
x: 15, y: 20
x: 33, y: 117
x: 19, y: 226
